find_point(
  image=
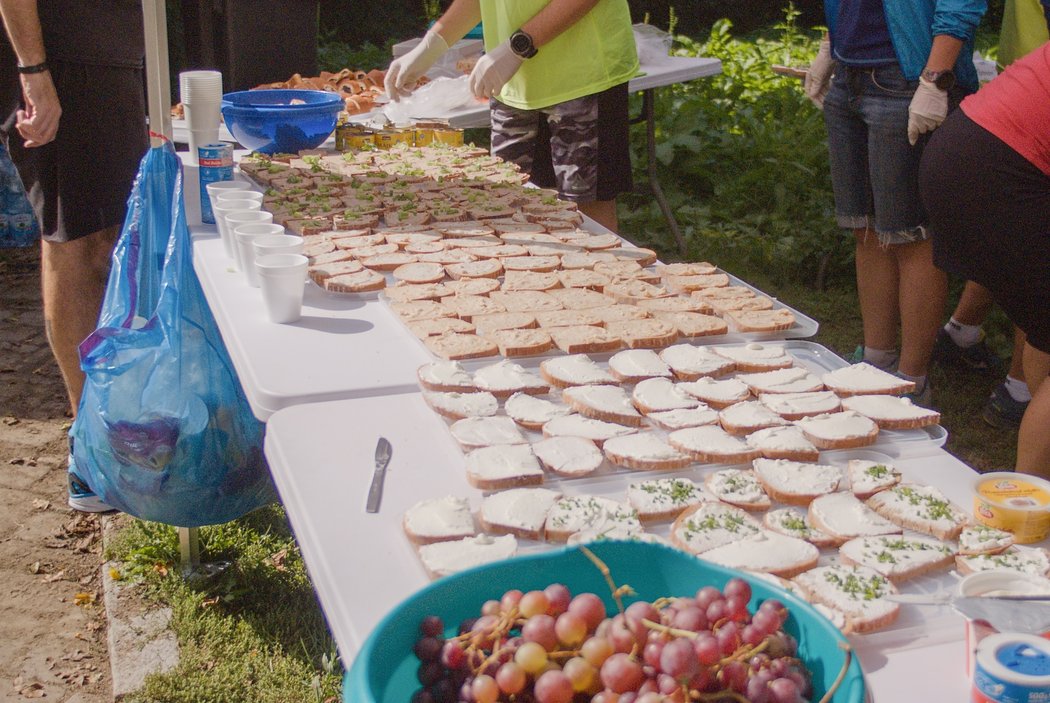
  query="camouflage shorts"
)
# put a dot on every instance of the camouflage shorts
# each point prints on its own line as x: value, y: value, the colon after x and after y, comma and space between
x: 579, y: 146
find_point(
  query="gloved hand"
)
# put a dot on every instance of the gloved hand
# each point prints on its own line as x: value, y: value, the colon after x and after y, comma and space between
x: 818, y: 77
x: 493, y: 70
x: 929, y: 107
x: 403, y: 73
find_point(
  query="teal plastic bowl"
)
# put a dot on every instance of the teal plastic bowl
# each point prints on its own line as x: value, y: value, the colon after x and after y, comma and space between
x: 385, y: 668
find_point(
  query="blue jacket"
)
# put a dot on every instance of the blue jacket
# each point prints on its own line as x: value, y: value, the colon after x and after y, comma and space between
x: 914, y: 23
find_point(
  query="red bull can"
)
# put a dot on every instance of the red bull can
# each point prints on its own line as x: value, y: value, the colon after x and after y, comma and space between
x: 216, y: 164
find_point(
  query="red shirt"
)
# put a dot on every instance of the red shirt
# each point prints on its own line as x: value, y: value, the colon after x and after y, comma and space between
x: 1016, y: 107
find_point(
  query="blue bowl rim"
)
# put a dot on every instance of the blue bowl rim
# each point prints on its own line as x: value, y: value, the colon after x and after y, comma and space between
x: 331, y: 99
x: 357, y: 672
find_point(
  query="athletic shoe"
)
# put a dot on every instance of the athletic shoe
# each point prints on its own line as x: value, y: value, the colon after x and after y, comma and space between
x: 81, y: 497
x: 1001, y: 410
x: 923, y: 398
x: 978, y: 358
x: 858, y: 356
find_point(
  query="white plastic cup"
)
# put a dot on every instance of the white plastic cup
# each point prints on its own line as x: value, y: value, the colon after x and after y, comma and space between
x: 246, y: 236
x: 245, y: 217
x: 277, y: 244
x: 995, y: 581
x: 282, y: 278
x: 239, y: 195
x: 200, y: 86
x: 221, y: 209
x: 215, y: 188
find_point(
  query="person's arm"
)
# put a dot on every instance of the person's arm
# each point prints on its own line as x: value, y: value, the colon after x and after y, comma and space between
x: 38, y: 122
x: 555, y: 18
x: 461, y: 17
x: 405, y: 72
x: 944, y: 53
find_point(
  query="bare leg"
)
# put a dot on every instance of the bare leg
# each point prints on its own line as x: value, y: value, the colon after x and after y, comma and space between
x: 603, y: 212
x: 974, y: 304
x: 923, y: 295
x: 73, y: 279
x: 1016, y: 360
x: 1033, y: 441
x: 877, y: 282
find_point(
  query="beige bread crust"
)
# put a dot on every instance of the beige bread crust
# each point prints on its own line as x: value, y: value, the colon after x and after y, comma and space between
x: 880, y: 382
x: 860, y: 404
x: 945, y: 559
x: 886, y: 504
x: 456, y: 347
x: 818, y: 589
x: 584, y: 339
x: 618, y: 454
x: 838, y: 535
x: 502, y: 484
x: 364, y: 281
x: 576, y: 398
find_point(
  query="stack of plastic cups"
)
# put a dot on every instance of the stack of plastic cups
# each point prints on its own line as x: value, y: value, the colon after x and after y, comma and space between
x: 282, y: 278
x: 201, y: 96
x: 223, y: 208
x: 246, y: 235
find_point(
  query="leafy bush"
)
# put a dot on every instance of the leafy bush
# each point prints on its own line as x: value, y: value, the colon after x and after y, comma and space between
x: 743, y: 160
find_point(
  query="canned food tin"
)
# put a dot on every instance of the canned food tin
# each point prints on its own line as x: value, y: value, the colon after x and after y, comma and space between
x: 388, y: 138
x: 424, y: 136
x: 1016, y: 503
x: 216, y: 164
x: 453, y: 137
x: 1012, y: 668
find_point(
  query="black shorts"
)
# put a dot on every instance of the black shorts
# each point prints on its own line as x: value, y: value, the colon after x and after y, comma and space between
x: 580, y: 147
x: 80, y: 182
x: 989, y: 211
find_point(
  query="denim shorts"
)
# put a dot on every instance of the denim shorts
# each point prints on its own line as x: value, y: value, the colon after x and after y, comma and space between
x: 874, y: 170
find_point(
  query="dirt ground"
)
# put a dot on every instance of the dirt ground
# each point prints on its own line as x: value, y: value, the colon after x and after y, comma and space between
x: 52, y: 625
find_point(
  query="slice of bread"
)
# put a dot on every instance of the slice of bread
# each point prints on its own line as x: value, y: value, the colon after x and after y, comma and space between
x: 364, y: 281
x: 471, y: 286
x: 579, y: 426
x: 419, y: 273
x: 501, y: 466
x: 577, y: 298
x: 574, y: 370
x: 468, y: 306
x: 866, y: 477
x: 673, y: 304
x: 768, y: 552
x: 692, y: 324
x: 568, y: 318
x: 319, y: 273
x: 655, y: 395
x: 525, y: 300
x: 503, y: 321
x: 981, y: 539
x: 620, y: 269
x: 690, y: 362
x: 795, y: 406
x: 755, y: 357
x: 783, y: 443
x: 438, y: 520
x: 521, y: 512
x: 644, y: 451
x: 634, y: 365
x: 671, y: 420
x: 650, y: 333
x: 920, y: 508
x: 665, y: 498
x: 568, y: 456
x: 532, y: 263
x: 733, y: 305
x: 865, y: 379
x: 505, y: 378
x: 716, y: 393
x: 641, y: 255
x: 748, y: 417
x: 856, y: 591
x: 630, y: 291
x: 486, y: 268
x: 686, y: 284
x: 843, y: 430
x: 709, y: 525
x: 530, y: 280
x: 446, y: 558
x: 575, y: 513
x: 844, y: 517
x: 532, y: 412
x: 620, y: 313
x: 521, y: 342
x: 584, y: 339
x: 584, y: 278
x: 449, y: 376
x: 761, y: 320
x: 694, y: 268
x: 794, y: 523
x: 420, y: 310
x: 794, y: 482
x: 712, y: 444
x: 585, y: 259
x: 890, y: 412
x: 898, y: 558
x: 474, y: 432
x: 790, y: 380
x: 409, y: 292
x: 438, y: 326
x: 460, y: 346
x: 457, y: 406
x: 738, y: 487
x: 1033, y: 561
x: 606, y: 403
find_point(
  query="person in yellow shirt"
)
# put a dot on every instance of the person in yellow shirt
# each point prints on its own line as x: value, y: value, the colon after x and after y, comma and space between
x: 556, y: 74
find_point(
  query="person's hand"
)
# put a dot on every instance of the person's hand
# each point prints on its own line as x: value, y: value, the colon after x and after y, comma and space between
x: 38, y: 122
x: 493, y: 70
x: 929, y: 107
x: 405, y: 72
x: 818, y: 77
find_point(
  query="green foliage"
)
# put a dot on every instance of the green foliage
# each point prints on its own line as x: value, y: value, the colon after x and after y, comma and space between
x: 743, y: 160
x: 334, y: 55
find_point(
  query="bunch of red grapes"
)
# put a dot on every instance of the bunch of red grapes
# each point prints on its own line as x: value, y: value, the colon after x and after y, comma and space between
x: 551, y: 647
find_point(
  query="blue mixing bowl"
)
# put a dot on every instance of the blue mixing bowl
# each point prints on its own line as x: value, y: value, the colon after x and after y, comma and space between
x: 385, y: 668
x: 281, y: 121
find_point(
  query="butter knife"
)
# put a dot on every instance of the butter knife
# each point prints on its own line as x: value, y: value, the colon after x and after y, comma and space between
x: 375, y: 491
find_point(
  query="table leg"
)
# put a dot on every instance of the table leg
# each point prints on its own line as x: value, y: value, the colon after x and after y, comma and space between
x: 189, y: 549
x: 648, y: 112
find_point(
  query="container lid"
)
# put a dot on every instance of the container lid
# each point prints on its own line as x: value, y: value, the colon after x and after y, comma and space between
x: 1014, y: 491
x: 1024, y: 659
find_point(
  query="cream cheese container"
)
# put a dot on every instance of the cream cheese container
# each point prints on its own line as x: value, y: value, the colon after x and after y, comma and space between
x: 1016, y: 503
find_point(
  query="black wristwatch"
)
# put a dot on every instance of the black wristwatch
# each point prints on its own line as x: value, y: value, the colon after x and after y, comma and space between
x: 35, y: 68
x: 944, y: 80
x: 521, y: 44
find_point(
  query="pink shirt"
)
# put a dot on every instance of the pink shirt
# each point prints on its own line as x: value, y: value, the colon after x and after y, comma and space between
x: 1016, y: 107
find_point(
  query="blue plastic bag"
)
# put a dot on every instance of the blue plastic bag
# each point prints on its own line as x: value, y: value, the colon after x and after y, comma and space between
x: 164, y: 431
x: 18, y: 224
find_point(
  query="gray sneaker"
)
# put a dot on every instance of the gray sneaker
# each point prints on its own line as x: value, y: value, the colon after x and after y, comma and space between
x: 81, y: 497
x: 1002, y: 411
x: 921, y: 397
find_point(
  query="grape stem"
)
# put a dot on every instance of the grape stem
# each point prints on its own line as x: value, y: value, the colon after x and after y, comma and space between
x: 848, y: 650
x: 719, y: 696
x: 617, y: 591
x: 668, y: 630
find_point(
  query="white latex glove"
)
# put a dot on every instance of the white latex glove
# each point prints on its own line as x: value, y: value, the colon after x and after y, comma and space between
x: 818, y: 77
x: 493, y: 70
x: 929, y: 107
x: 405, y: 71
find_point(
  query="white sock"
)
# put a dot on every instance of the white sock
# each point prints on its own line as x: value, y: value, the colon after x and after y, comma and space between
x: 880, y: 358
x: 919, y: 381
x: 1017, y: 389
x: 963, y: 335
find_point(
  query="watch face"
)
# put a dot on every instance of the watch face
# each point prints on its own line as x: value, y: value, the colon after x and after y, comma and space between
x: 521, y: 43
